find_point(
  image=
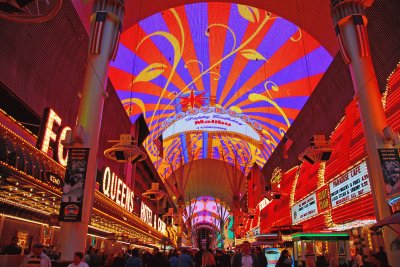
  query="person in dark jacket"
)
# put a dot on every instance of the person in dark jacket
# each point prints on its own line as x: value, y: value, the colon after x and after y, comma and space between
x: 158, y: 259
x: 198, y: 257
x: 382, y: 257
x: 221, y: 260
x: 284, y: 260
x: 134, y: 260
x: 13, y: 248
x: 261, y: 257
x: 173, y: 260
x: 246, y: 258
x: 147, y: 258
x: 118, y: 260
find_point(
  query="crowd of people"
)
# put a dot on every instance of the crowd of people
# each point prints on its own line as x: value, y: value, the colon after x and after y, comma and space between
x: 243, y: 256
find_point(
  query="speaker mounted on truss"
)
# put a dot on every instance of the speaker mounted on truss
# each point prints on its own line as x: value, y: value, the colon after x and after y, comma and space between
x: 125, y: 150
x: 318, y: 151
x: 154, y: 193
x: 168, y: 217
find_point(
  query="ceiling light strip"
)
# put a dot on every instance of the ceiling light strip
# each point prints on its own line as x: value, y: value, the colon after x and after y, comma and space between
x: 22, y: 206
x: 23, y: 219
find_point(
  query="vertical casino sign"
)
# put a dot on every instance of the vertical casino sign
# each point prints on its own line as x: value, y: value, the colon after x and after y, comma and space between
x: 74, y: 185
x: 51, y: 134
x: 323, y: 198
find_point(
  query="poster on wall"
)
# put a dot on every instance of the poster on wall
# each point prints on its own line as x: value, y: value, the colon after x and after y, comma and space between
x: 74, y: 185
x: 46, y: 235
x: 305, y: 209
x: 350, y: 185
x: 390, y: 162
x: 23, y: 240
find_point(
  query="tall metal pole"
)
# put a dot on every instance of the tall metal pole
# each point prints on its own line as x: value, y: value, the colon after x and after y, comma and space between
x: 181, y: 206
x: 106, y: 24
x: 350, y: 25
x: 222, y: 234
x: 236, y: 214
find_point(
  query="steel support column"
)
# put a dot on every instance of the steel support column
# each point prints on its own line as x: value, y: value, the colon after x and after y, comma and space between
x: 106, y: 24
x: 350, y: 25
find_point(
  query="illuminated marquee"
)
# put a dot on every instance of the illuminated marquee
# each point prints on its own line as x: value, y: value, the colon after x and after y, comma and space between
x: 117, y: 190
x: 212, y: 119
x: 350, y: 185
x: 305, y: 209
x: 49, y: 137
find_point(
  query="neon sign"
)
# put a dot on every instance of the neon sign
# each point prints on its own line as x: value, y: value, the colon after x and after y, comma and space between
x: 350, y: 185
x: 263, y: 203
x: 117, y: 190
x: 146, y: 214
x: 49, y: 137
x: 54, y: 179
x: 160, y: 225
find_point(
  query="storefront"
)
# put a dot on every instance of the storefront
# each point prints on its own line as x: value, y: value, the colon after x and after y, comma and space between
x: 333, y: 196
x: 30, y: 194
x: 321, y: 249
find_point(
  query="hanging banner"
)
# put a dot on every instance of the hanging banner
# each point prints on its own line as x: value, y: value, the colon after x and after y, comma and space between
x: 390, y: 162
x: 350, y: 185
x: 74, y: 185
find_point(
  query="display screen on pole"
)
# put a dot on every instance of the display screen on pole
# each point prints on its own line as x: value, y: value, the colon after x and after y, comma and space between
x: 390, y: 162
x: 74, y: 185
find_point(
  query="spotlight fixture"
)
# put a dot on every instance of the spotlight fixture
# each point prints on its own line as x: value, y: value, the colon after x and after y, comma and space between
x: 154, y: 193
x: 125, y: 150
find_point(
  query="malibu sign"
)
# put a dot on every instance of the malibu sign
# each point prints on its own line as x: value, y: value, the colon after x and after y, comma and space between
x: 212, y: 119
x: 117, y: 190
x: 51, y: 134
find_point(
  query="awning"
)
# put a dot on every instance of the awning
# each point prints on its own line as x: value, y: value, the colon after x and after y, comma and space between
x: 393, y: 219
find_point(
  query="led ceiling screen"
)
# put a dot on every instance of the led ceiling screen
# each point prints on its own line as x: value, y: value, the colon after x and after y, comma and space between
x: 206, y: 209
x: 247, y: 64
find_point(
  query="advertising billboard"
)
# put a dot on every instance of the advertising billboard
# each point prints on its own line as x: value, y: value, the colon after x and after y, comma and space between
x: 305, y: 209
x: 390, y: 162
x: 74, y: 185
x: 350, y: 185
